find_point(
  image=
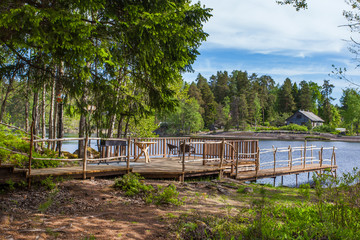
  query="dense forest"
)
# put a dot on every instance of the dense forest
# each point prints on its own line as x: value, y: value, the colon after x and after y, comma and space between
x: 241, y: 101
x: 106, y: 65
x: 113, y: 68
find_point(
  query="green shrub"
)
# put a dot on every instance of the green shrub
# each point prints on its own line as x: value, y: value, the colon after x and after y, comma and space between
x: 294, y: 127
x: 48, y: 183
x: 324, y: 128
x: 168, y: 195
x: 132, y: 185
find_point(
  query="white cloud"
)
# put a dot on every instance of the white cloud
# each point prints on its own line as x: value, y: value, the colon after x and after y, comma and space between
x: 263, y: 26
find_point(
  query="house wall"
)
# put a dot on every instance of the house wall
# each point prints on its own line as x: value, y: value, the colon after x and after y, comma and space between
x: 301, y: 119
x: 298, y: 119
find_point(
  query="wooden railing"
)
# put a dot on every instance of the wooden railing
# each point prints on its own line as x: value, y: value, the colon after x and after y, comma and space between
x: 208, y: 150
x: 297, y: 156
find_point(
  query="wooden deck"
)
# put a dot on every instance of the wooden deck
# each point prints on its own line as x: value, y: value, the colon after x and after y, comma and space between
x: 281, y: 171
x: 159, y: 168
x: 170, y: 168
x: 77, y: 171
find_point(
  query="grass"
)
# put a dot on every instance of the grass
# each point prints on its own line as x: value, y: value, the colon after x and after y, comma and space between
x: 331, y: 210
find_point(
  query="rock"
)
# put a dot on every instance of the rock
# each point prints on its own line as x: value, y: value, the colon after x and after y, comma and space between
x: 223, y: 191
x: 248, y: 190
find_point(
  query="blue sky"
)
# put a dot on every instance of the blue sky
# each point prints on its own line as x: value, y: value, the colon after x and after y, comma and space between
x: 259, y: 36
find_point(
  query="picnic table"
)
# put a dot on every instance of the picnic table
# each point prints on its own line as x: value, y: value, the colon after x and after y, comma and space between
x: 144, y: 147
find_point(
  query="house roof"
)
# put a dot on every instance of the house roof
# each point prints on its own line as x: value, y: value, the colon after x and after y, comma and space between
x: 313, y: 117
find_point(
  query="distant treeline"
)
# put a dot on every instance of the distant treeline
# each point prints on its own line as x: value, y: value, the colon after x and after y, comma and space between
x: 240, y: 100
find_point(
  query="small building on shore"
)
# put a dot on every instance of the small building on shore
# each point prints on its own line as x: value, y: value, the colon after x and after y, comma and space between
x: 304, y: 117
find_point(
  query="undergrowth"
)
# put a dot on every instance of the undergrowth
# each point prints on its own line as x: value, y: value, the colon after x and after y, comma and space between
x: 331, y: 210
x: 19, y: 142
x: 133, y: 185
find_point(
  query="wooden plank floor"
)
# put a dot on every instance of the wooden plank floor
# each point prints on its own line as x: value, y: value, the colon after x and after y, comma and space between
x: 157, y: 168
x: 172, y: 168
x: 267, y: 173
x: 77, y: 171
x: 168, y: 168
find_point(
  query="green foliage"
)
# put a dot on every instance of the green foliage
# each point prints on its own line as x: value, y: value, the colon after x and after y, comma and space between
x: 15, y: 140
x: 132, y: 185
x: 48, y: 183
x: 294, y: 127
x: 167, y: 195
x: 324, y: 128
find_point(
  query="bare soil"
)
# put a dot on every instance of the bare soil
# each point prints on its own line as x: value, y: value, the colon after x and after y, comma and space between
x: 93, y: 209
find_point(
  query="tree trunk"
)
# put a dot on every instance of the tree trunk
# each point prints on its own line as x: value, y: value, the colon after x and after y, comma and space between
x: 43, y: 128
x: 27, y: 115
x: 82, y: 124
x: 119, y: 130
x: 127, y: 126
x: 35, y: 112
x: 112, y: 126
x: 51, y: 113
x: 8, y: 90
x: 60, y: 128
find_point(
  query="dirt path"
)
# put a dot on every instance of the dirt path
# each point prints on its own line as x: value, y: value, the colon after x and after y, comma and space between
x: 94, y: 210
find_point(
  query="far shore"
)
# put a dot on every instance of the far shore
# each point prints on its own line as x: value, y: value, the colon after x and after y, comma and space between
x: 285, y: 135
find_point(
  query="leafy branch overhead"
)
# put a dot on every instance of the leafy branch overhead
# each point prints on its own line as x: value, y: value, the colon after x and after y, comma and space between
x: 298, y: 4
x: 128, y: 53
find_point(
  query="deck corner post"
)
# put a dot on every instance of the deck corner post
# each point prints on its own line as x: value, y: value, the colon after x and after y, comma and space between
x: 85, y: 156
x: 128, y: 155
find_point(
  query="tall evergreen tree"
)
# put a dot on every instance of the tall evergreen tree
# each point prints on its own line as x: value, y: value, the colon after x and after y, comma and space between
x: 209, y: 104
x: 286, y: 99
x: 305, y: 97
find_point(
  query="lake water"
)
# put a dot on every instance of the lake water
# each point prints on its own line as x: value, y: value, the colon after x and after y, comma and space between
x: 347, y: 156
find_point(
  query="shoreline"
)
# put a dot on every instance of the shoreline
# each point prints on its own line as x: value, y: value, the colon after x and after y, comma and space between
x: 292, y: 136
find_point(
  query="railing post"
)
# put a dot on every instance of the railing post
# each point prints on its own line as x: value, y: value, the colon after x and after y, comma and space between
x: 222, y: 151
x: 85, y: 156
x: 274, y: 152
x: 289, y: 156
x: 321, y: 156
x: 334, y: 155
x: 304, y: 155
x: 290, y: 152
x: 128, y: 155
x: 204, y: 152
x: 164, y: 147
x: 312, y: 154
x: 135, y: 140
x: 257, y: 167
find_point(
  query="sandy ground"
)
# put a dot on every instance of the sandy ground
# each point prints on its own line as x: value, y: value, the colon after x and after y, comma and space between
x: 94, y: 210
